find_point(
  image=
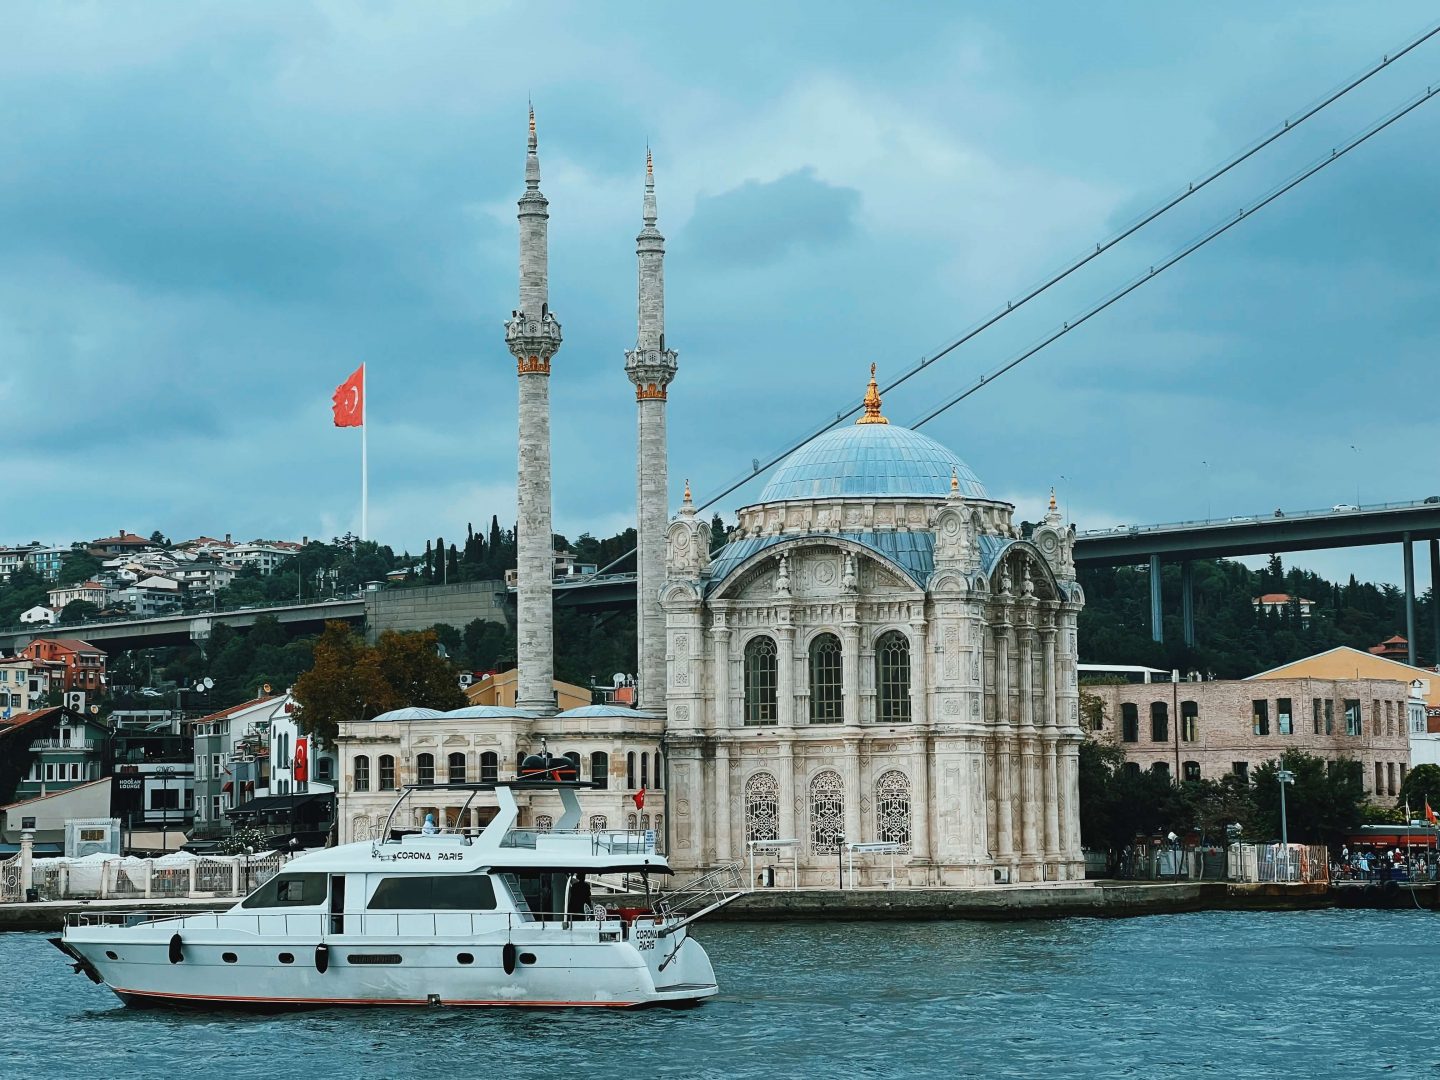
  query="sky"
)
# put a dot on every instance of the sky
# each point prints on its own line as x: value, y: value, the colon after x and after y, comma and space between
x: 211, y: 213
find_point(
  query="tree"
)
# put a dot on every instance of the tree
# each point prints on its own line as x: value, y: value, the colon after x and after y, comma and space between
x: 77, y: 611
x: 77, y: 565
x: 350, y: 680
x: 345, y: 683
x: 415, y: 673
x: 1325, y: 802
x: 1421, y: 788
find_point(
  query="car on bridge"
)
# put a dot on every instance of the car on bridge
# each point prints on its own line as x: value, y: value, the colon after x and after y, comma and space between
x: 1340, y: 508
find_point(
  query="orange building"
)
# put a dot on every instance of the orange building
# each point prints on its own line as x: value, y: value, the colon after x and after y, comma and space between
x: 84, y: 663
x: 499, y: 689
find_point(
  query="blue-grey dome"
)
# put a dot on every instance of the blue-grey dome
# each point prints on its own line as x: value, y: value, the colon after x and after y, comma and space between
x: 872, y: 459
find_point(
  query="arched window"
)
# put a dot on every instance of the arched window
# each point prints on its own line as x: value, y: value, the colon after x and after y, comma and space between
x: 1192, y: 770
x: 892, y: 678
x: 762, y: 807
x: 574, y: 756
x: 1161, y: 769
x: 544, y: 823
x: 760, y: 666
x: 630, y: 771
x: 457, y: 768
x: 632, y: 822
x: 362, y: 773
x: 1190, y: 720
x: 1130, y: 722
x: 489, y: 767
x: 645, y: 770
x: 1132, y: 768
x: 1159, y: 721
x: 425, y: 769
x: 660, y: 833
x: 827, y: 699
x: 892, y: 808
x: 659, y: 777
x: 597, y: 822
x: 600, y: 769
x: 387, y: 772
x: 644, y: 822
x: 827, y: 812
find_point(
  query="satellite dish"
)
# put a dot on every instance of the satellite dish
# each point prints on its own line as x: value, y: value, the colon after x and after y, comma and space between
x: 209, y: 683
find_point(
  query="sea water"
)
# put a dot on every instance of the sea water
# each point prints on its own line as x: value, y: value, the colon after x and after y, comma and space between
x: 1297, y: 994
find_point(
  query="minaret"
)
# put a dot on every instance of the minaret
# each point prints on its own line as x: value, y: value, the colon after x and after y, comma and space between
x: 533, y: 336
x: 650, y: 366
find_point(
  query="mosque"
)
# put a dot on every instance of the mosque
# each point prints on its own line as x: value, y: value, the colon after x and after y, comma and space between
x: 876, y: 655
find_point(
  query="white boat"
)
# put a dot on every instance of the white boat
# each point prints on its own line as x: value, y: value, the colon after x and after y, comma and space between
x: 416, y: 918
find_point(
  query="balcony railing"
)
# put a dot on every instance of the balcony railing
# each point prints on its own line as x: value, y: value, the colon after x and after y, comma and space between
x: 66, y: 744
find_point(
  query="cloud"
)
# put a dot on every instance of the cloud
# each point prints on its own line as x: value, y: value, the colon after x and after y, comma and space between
x: 759, y: 223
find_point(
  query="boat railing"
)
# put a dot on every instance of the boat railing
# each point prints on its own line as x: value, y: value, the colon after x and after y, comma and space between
x: 602, y: 841
x: 603, y: 923
x: 718, y: 887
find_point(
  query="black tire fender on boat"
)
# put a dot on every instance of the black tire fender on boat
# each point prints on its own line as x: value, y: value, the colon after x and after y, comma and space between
x: 177, y: 950
x: 322, y: 958
x: 507, y: 958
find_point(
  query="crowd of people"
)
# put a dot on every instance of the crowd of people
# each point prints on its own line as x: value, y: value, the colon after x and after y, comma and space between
x: 1384, y: 864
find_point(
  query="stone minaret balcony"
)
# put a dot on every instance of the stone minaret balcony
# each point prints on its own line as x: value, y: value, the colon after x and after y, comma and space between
x: 533, y: 341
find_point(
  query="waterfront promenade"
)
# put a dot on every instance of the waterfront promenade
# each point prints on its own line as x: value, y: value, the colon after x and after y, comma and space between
x: 1002, y: 903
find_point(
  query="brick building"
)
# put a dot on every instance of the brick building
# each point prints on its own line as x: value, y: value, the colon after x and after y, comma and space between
x: 1203, y: 730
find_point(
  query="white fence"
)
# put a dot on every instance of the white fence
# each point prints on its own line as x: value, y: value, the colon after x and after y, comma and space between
x: 1269, y: 862
x: 109, y: 877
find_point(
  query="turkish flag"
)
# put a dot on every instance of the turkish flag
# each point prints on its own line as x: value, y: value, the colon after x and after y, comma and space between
x: 640, y: 799
x: 300, y: 767
x: 1430, y: 814
x: 349, y: 400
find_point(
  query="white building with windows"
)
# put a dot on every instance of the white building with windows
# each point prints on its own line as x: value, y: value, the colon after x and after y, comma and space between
x: 615, y: 748
x: 876, y: 655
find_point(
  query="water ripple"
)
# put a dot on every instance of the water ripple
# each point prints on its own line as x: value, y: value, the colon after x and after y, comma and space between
x: 1213, y: 994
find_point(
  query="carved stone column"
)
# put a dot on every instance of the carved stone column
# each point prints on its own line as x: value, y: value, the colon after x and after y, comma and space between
x: 850, y: 666
x: 919, y: 672
x: 724, y: 812
x: 1029, y: 807
x: 1051, y: 786
x: 720, y: 670
x: 853, y: 791
x: 1002, y: 786
x: 785, y: 774
x: 785, y: 674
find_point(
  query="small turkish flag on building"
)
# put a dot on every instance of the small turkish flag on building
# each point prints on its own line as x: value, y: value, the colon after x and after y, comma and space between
x: 300, y: 767
x: 349, y: 400
x: 1430, y: 814
x: 640, y: 799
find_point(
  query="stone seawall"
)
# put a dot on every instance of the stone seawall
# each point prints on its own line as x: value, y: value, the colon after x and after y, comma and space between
x: 1118, y: 900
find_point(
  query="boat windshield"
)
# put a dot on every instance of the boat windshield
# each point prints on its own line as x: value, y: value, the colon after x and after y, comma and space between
x: 289, y: 890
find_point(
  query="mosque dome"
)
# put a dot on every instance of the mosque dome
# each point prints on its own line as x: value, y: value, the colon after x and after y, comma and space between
x: 871, y: 458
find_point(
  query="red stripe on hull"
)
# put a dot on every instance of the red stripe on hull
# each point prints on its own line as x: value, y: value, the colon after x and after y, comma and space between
x: 219, y: 999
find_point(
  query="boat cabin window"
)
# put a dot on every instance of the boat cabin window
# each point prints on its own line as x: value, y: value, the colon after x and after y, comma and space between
x: 438, y: 892
x: 289, y: 890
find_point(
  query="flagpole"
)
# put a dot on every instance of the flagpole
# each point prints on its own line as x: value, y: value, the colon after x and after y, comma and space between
x: 364, y: 457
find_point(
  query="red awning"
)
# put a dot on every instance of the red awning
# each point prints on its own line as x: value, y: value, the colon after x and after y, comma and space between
x: 227, y: 786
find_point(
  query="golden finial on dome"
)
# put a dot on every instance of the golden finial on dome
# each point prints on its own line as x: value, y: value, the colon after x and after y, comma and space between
x: 954, y: 480
x: 1053, y: 504
x: 687, y: 492
x: 872, y: 403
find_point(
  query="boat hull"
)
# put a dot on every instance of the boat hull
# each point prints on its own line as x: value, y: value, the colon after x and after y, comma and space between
x: 550, y: 969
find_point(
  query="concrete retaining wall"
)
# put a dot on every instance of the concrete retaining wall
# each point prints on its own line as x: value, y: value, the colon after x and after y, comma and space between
x: 420, y: 609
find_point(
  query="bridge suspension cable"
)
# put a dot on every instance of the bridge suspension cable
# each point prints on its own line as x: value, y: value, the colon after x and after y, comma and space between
x: 1287, y: 126
x: 1189, y: 249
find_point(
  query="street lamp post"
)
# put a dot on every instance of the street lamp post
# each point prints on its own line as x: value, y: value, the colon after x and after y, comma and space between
x: 1285, y: 776
x: 165, y: 772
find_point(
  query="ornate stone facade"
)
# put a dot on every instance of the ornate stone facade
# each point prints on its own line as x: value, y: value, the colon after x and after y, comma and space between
x: 875, y: 655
